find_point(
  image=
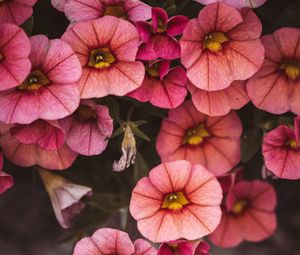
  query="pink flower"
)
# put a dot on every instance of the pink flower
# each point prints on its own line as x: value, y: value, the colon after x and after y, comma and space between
x: 15, y: 11
x: 276, y: 86
x: 177, y: 200
x: 14, y: 52
x: 59, y: 4
x: 228, y: 181
x: 236, y: 3
x: 131, y: 10
x: 162, y: 86
x: 49, y: 92
x: 107, y: 50
x: 39, y: 143
x: 6, y: 180
x: 107, y: 241
x: 213, y: 142
x: 281, y: 151
x: 184, y: 247
x: 158, y: 36
x: 248, y: 214
x: 65, y: 197
x: 220, y: 46
x: 88, y: 129
x: 220, y: 102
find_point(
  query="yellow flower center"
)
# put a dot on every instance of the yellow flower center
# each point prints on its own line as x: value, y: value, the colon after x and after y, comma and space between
x: 195, y: 136
x: 292, y: 143
x: 101, y: 58
x: 291, y: 69
x: 239, y: 206
x: 115, y: 10
x: 153, y: 70
x: 85, y: 113
x: 174, y: 201
x: 161, y: 28
x: 34, y: 81
x: 214, y: 41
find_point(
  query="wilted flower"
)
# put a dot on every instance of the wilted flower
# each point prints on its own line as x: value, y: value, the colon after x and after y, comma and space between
x: 65, y: 196
x: 14, y: 53
x: 158, y: 36
x: 162, y: 86
x: 131, y: 10
x: 248, y: 214
x: 177, y: 200
x: 107, y: 241
x: 221, y: 45
x: 184, y: 247
x: 236, y: 3
x: 6, y: 180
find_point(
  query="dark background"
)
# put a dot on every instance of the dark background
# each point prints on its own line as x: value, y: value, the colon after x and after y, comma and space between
x: 27, y: 222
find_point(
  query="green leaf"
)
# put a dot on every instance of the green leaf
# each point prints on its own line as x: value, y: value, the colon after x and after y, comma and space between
x: 170, y: 7
x: 139, y: 123
x: 141, y: 168
x: 139, y: 133
x: 117, y: 132
x: 106, y: 202
x: 250, y: 144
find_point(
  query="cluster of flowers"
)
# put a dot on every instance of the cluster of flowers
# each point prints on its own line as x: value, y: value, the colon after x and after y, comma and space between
x: 48, y: 114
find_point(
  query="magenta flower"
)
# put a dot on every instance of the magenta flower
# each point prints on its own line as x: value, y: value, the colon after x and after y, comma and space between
x: 59, y: 4
x: 220, y: 102
x: 15, y: 11
x: 39, y: 143
x: 177, y: 200
x: 107, y: 50
x: 162, y: 86
x: 236, y: 3
x: 220, y: 46
x: 131, y: 10
x: 184, y: 247
x: 49, y: 91
x: 107, y: 241
x: 213, y: 142
x: 88, y: 129
x: 281, y: 151
x: 14, y: 52
x: 248, y: 214
x: 65, y: 197
x: 278, y: 80
x: 158, y: 36
x: 6, y: 180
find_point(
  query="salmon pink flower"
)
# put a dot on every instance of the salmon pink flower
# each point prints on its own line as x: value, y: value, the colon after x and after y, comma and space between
x: 49, y: 91
x: 158, y: 36
x: 278, y: 80
x: 281, y: 151
x: 88, y: 129
x: 184, y: 247
x: 248, y: 214
x: 59, y: 4
x: 177, y: 200
x: 221, y: 45
x: 15, y: 11
x: 220, y: 102
x: 162, y: 86
x: 107, y: 241
x: 236, y: 3
x: 39, y: 143
x: 6, y: 180
x: 131, y: 10
x: 65, y: 196
x: 213, y: 142
x: 14, y: 52
x: 107, y: 50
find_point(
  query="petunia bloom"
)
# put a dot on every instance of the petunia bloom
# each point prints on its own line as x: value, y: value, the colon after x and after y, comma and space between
x: 184, y: 247
x: 213, y: 142
x: 220, y: 46
x: 14, y: 53
x: 107, y: 50
x: 49, y: 91
x: 220, y: 102
x: 15, y: 11
x: 65, y: 196
x: 6, y: 180
x: 178, y: 200
x: 39, y: 143
x: 281, y: 151
x: 248, y: 214
x: 158, y: 36
x: 163, y: 87
x: 88, y: 129
x: 275, y: 88
x: 83, y: 10
x: 106, y: 241
x: 236, y: 3
x: 59, y: 4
